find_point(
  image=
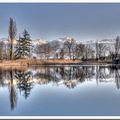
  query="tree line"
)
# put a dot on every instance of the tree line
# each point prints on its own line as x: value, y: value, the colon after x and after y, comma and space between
x: 23, y: 48
x: 16, y: 48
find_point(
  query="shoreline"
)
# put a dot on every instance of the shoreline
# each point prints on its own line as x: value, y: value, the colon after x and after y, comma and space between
x: 25, y: 64
x: 29, y: 62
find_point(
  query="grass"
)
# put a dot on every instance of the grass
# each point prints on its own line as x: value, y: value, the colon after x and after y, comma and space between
x: 63, y: 61
x: 26, y: 62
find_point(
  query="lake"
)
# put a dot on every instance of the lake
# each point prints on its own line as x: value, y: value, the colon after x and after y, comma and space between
x: 60, y: 91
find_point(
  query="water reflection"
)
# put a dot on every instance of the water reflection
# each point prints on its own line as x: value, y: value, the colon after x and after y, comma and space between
x: 25, y: 82
x: 12, y: 91
x: 70, y: 76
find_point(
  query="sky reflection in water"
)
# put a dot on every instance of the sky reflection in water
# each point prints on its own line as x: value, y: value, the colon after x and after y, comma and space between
x: 60, y: 90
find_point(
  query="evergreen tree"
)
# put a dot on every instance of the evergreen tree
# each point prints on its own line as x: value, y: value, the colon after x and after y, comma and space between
x: 23, y: 46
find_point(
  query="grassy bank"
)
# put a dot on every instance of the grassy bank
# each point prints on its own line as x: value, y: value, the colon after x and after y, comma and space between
x: 28, y: 62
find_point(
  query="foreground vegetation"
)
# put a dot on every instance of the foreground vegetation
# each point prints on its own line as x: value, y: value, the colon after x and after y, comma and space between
x: 26, y: 62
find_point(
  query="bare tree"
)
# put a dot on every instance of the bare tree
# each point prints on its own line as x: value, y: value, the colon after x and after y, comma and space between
x: 62, y: 54
x: 89, y: 52
x: 46, y: 50
x: 117, y: 47
x: 111, y: 53
x: 101, y: 50
x: 43, y: 50
x: 97, y: 51
x: 80, y: 49
x: 12, y: 35
x: 1, y: 50
x: 70, y: 43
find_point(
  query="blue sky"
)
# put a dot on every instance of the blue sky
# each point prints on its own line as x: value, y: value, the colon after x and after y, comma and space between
x: 53, y: 20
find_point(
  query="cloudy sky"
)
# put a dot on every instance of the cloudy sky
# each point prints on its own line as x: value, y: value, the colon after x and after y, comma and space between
x: 51, y: 21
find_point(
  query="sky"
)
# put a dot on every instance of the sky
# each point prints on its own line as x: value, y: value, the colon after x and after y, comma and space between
x: 51, y: 21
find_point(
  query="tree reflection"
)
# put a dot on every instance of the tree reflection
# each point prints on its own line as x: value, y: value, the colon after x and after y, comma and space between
x: 67, y: 76
x: 71, y: 76
x: 2, y: 75
x: 25, y: 83
x: 117, y: 77
x: 12, y: 91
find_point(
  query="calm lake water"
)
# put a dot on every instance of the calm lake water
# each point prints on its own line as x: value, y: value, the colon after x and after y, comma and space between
x: 60, y: 90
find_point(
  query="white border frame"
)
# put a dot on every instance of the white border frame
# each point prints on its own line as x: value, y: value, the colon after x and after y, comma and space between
x: 59, y: 117
x: 60, y: 1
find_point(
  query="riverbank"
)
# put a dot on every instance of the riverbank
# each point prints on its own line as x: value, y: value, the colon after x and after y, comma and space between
x: 28, y: 62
